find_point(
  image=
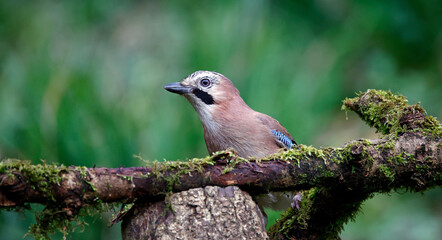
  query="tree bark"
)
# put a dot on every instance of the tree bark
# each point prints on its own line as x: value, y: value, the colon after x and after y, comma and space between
x: 200, y: 213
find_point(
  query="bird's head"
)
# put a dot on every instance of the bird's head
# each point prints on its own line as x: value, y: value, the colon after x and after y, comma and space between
x: 205, y: 90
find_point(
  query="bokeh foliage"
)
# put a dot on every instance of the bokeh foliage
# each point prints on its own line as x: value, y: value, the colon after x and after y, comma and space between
x: 81, y: 81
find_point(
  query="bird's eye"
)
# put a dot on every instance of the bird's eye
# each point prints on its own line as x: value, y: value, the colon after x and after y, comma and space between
x: 205, y: 82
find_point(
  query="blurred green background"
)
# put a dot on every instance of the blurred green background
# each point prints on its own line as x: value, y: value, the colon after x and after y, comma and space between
x: 81, y: 83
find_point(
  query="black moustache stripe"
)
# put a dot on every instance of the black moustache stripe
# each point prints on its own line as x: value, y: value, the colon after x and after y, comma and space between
x: 204, y: 96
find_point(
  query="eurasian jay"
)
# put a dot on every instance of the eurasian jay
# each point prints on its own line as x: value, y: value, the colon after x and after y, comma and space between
x: 228, y: 122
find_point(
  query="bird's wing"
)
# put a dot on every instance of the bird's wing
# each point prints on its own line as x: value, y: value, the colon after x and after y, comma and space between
x: 282, y: 136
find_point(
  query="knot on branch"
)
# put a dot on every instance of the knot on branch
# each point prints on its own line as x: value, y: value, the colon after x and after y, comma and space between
x: 357, y: 150
x: 12, y: 182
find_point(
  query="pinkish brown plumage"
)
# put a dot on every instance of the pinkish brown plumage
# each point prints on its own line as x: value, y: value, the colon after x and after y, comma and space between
x: 228, y: 122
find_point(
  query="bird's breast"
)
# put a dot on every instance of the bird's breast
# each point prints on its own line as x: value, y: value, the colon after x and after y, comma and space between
x: 247, y: 138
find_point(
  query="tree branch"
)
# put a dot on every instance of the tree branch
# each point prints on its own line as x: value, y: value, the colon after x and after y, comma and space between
x: 408, y: 157
x: 413, y: 162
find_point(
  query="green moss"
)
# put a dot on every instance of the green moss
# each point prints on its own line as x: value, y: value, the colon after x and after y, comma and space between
x: 423, y: 169
x: 345, y: 154
x: 84, y: 176
x: 383, y: 110
x: 299, y: 153
x: 54, y: 217
x: 231, y: 158
x: 187, y: 167
x: 51, y: 220
x: 196, y: 164
x: 431, y: 126
x: 387, y: 172
x: 402, y: 158
x: 41, y: 177
x: 327, y: 173
x: 184, y: 167
x: 295, y: 217
x: 387, y: 145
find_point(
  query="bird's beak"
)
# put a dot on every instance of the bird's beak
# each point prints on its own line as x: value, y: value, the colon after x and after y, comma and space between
x: 177, y: 87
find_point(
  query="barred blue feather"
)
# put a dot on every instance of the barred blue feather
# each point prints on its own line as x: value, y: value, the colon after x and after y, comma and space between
x: 283, y: 138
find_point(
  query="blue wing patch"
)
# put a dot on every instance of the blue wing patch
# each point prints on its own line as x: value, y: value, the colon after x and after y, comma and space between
x: 283, y: 138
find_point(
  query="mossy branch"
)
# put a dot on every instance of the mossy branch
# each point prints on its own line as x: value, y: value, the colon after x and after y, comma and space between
x: 408, y: 137
x: 387, y: 162
x: 390, y: 113
x: 409, y: 157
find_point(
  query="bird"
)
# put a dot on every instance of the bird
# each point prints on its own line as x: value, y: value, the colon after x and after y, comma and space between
x: 228, y: 122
